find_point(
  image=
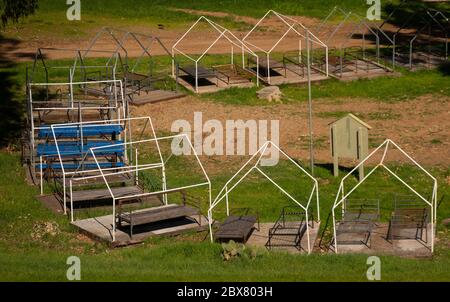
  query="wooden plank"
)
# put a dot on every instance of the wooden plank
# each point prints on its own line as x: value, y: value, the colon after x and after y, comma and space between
x: 159, y: 214
x: 100, y: 228
x: 235, y: 227
x: 104, y: 194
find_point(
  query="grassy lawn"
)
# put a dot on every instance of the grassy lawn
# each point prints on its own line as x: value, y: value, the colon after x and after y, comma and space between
x: 383, y: 89
x: 50, y: 19
x: 34, y: 243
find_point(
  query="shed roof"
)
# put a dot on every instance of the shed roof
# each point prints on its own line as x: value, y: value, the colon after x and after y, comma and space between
x: 354, y: 117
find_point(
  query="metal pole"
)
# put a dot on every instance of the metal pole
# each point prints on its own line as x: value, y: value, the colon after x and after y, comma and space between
x: 311, y: 139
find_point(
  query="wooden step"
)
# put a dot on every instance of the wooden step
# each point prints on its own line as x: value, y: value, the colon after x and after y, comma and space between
x: 104, y: 194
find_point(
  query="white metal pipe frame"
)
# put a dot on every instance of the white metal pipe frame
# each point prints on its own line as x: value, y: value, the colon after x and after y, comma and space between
x: 341, y: 196
x: 234, y: 181
x: 222, y: 33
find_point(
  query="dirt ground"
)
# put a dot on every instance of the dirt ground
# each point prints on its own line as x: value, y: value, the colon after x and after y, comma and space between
x: 269, y: 31
x: 420, y: 126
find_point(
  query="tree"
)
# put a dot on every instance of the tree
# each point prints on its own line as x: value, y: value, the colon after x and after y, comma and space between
x: 13, y: 10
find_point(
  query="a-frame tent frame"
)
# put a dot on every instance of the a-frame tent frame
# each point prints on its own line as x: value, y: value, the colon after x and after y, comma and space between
x: 429, y: 21
x: 341, y: 195
x: 371, y: 27
x: 223, y: 33
x: 291, y: 23
x: 234, y: 181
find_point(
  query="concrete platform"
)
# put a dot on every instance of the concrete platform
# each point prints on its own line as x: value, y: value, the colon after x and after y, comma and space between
x: 260, y: 238
x: 210, y: 85
x: 100, y: 229
x: 351, y: 73
x: 402, y: 245
x: 279, y: 77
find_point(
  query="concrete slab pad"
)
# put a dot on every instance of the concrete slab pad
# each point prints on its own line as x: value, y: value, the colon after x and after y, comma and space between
x: 403, y: 244
x: 101, y: 229
x: 260, y: 238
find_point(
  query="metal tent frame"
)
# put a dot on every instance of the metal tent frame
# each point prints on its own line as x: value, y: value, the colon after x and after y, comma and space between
x: 222, y: 33
x: 110, y: 67
x: 80, y: 127
x: 341, y: 196
x: 231, y: 184
x: 372, y: 29
x: 432, y: 18
x: 308, y: 36
x: 144, y: 41
x: 135, y: 167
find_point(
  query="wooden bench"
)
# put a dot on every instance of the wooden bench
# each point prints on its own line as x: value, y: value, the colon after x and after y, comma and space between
x: 157, y: 214
x: 237, y: 227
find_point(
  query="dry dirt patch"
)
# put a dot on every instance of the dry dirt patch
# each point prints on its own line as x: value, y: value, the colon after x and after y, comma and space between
x: 419, y: 126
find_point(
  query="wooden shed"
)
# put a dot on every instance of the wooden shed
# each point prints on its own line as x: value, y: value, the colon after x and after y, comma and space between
x: 349, y: 139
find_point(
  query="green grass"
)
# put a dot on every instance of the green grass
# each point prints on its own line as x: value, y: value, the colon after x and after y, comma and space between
x: 188, y: 257
x: 50, y: 19
x: 383, y: 89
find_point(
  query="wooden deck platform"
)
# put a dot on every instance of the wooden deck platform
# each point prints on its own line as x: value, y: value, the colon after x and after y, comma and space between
x: 54, y: 203
x: 155, y: 96
x: 100, y: 229
x: 260, y: 238
x: 104, y: 194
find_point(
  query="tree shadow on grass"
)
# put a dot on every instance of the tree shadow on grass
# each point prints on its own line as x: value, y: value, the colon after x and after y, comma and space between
x: 12, y: 101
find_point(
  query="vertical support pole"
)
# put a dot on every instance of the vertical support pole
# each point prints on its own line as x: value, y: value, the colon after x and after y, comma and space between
x: 164, y: 184
x: 137, y: 169
x: 42, y: 177
x: 210, y: 225
x: 334, y: 233
x: 196, y: 76
x: 243, y: 57
x: 299, y: 50
x: 71, y: 201
x: 114, y: 220
x: 173, y: 63
x: 268, y: 68
x: 361, y: 167
x: 393, y: 53
x: 307, y: 232
x: 226, y: 200
x: 64, y: 190
x: 311, y: 139
x: 232, y: 55
x: 177, y: 76
x: 334, y: 152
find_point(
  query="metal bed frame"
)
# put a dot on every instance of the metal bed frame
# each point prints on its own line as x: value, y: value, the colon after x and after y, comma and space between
x: 291, y: 224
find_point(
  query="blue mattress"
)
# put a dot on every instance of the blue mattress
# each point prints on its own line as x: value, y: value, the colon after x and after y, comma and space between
x: 74, y: 166
x: 75, y: 148
x: 75, y: 131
